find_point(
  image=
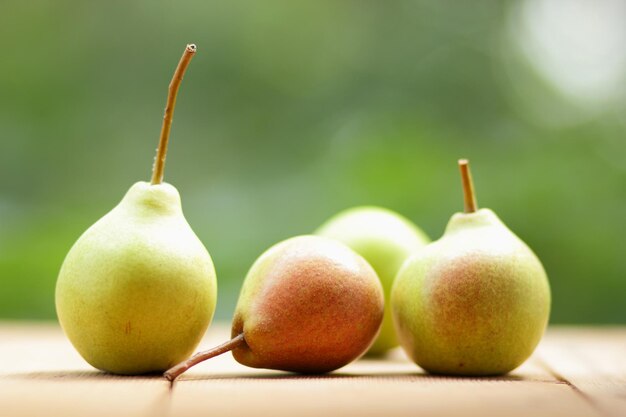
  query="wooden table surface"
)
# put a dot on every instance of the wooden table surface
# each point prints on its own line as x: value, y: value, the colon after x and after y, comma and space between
x: 576, y: 371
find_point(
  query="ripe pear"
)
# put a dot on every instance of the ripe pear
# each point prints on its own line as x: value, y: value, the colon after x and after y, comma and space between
x: 137, y: 291
x: 309, y: 304
x: 474, y: 302
x: 385, y: 239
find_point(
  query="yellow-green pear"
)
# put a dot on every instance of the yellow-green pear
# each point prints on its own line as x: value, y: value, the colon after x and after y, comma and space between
x: 385, y: 239
x: 474, y: 302
x: 137, y: 291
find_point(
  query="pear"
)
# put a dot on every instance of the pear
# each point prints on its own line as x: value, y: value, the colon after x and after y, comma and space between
x: 309, y: 304
x: 137, y: 291
x: 474, y: 302
x: 385, y: 239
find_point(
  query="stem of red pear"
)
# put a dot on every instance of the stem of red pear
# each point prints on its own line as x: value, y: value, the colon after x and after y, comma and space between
x: 182, y: 367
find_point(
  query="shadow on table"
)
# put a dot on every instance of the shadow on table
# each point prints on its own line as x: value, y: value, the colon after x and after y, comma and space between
x: 82, y: 376
x: 417, y: 376
x: 261, y: 376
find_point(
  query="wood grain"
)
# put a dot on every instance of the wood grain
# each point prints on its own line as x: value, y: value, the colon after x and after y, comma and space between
x: 574, y: 372
x: 593, y: 361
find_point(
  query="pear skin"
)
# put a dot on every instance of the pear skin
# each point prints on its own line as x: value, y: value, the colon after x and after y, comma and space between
x: 474, y: 302
x: 309, y: 304
x: 385, y: 239
x: 137, y: 291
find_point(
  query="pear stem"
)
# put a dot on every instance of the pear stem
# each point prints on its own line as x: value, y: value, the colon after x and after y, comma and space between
x: 159, y: 160
x: 468, y: 187
x: 182, y: 367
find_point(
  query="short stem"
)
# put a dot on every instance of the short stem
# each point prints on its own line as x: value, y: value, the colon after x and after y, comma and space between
x: 159, y: 160
x: 468, y: 186
x: 182, y: 367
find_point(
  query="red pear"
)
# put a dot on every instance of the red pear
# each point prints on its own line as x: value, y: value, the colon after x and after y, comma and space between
x: 309, y: 304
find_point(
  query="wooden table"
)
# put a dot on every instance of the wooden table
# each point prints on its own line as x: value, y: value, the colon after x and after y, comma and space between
x: 574, y: 372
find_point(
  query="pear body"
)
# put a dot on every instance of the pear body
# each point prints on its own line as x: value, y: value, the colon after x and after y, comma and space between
x: 308, y: 304
x: 385, y: 239
x: 475, y: 302
x: 137, y: 291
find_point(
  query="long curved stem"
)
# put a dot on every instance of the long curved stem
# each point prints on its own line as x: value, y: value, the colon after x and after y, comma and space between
x: 182, y: 367
x: 159, y: 160
x: 468, y: 187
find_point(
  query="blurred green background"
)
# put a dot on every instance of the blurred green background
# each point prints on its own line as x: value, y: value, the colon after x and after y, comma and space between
x: 292, y: 111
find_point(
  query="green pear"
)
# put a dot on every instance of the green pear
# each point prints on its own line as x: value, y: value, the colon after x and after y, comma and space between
x: 309, y: 304
x: 474, y: 302
x: 385, y: 239
x: 137, y: 291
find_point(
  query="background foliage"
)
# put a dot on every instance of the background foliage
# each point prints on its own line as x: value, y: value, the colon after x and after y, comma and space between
x: 291, y: 112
